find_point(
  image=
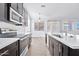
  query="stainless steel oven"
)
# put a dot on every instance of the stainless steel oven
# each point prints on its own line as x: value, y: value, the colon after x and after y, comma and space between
x: 15, y: 16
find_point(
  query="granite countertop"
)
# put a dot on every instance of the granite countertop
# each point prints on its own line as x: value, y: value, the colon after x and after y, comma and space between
x: 6, y: 41
x: 71, y: 42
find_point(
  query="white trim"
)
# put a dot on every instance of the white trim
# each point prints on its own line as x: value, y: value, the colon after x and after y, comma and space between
x: 12, y: 10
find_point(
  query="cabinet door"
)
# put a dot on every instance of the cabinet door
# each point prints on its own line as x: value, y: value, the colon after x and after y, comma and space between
x: 46, y: 39
x: 60, y: 49
x: 10, y: 50
x: 20, y: 8
x: 56, y: 48
x: 65, y: 50
x: 14, y: 6
x: 29, y: 43
x: 51, y: 46
x: 25, y: 15
x: 3, y: 11
x: 23, y: 44
x: 13, y: 52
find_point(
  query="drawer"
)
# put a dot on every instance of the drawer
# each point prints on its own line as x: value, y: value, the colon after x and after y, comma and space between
x: 11, y: 46
x: 10, y: 52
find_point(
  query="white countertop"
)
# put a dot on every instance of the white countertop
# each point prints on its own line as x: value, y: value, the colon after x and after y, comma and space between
x: 70, y: 42
x: 6, y: 41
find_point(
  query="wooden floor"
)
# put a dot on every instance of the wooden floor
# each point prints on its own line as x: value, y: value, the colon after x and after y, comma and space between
x: 38, y: 47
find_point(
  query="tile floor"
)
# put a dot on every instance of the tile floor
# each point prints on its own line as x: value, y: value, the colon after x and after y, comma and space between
x: 38, y: 47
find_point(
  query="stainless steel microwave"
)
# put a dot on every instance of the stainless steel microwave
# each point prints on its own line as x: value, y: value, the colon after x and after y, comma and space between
x: 15, y: 16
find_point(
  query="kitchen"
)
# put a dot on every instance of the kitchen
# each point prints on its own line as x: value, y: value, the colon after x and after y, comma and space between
x: 41, y: 29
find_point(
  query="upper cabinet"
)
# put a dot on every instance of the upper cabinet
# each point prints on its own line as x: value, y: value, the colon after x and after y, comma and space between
x: 14, y: 6
x: 25, y: 15
x: 16, y: 13
x: 20, y: 8
x: 3, y: 12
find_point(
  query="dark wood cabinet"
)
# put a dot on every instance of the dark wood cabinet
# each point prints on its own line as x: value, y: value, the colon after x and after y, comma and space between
x: 64, y: 50
x: 60, y: 49
x: 29, y: 42
x: 10, y: 50
x: 46, y: 38
x: 24, y: 42
x: 25, y: 15
x: 15, y: 6
x: 20, y: 8
x: 3, y: 11
x: 51, y: 46
x: 57, y: 48
x: 17, y: 48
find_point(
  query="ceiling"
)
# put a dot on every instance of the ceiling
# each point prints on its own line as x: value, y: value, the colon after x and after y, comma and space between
x: 54, y: 10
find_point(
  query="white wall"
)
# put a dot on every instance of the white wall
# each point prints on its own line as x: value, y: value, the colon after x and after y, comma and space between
x: 24, y: 29
x: 53, y: 26
x: 29, y: 24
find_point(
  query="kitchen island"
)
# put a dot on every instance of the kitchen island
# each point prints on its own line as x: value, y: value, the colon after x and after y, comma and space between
x: 62, y: 45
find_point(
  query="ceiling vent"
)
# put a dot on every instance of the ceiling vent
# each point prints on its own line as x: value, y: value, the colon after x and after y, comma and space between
x: 43, y: 5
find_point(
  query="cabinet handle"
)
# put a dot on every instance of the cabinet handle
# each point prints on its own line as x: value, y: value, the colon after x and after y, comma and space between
x: 5, y: 52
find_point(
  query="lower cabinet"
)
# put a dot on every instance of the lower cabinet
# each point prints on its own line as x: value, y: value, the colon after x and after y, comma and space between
x: 46, y: 38
x: 10, y: 50
x: 29, y: 42
x: 56, y: 48
x: 23, y: 44
x: 51, y: 46
x: 73, y: 52
x: 65, y: 50
x: 60, y: 49
x: 17, y: 48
